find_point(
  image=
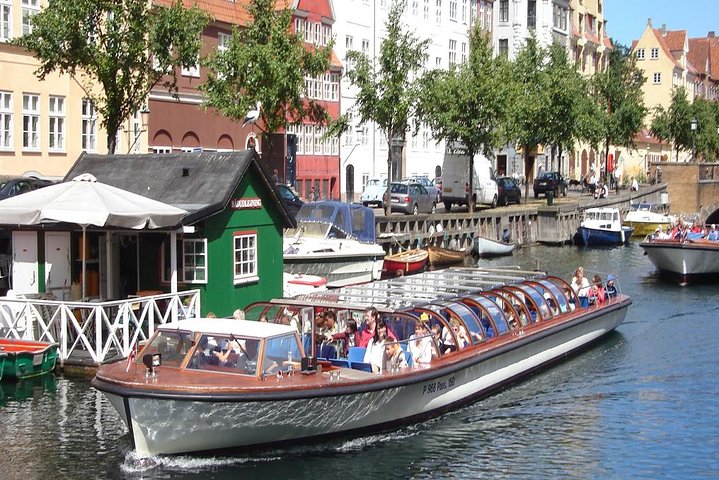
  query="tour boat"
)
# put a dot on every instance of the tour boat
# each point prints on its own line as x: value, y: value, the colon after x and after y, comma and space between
x: 218, y: 384
x: 688, y: 260
x: 27, y: 358
x: 485, y: 247
x: 336, y: 241
x: 445, y: 256
x: 645, y: 218
x: 407, y: 262
x: 602, y: 226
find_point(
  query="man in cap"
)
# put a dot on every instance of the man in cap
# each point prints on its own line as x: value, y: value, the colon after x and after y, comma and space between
x: 713, y: 233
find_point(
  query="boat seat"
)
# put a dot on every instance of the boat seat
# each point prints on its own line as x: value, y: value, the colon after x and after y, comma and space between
x: 365, y: 367
x: 356, y: 354
x: 340, y: 362
x: 407, y: 354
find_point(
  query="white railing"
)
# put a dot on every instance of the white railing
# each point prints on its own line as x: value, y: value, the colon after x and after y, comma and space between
x: 100, y: 330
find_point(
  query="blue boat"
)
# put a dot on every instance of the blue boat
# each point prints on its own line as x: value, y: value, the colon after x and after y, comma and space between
x: 603, y: 227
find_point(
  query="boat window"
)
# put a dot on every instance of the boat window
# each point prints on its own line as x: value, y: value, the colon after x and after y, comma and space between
x: 561, y: 292
x: 498, y: 317
x: 172, y: 345
x: 513, y: 308
x: 552, y: 308
x: 470, y: 320
x: 538, y: 297
x: 529, y: 299
x: 228, y: 354
x: 280, y: 353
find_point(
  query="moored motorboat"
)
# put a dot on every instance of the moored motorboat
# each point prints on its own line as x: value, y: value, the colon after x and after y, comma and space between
x: 497, y: 327
x: 336, y: 241
x: 645, y: 218
x: 407, y: 262
x: 486, y: 247
x: 445, y: 256
x: 602, y: 226
x: 26, y: 358
x: 298, y: 284
x: 686, y: 259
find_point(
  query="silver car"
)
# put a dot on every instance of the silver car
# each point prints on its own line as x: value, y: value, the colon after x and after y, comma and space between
x: 424, y: 180
x: 411, y: 198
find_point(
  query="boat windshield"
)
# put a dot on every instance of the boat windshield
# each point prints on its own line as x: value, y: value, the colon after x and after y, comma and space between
x: 172, y: 345
x: 354, y: 221
x: 486, y: 310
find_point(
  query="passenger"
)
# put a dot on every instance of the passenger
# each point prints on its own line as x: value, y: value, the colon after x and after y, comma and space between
x: 580, y: 285
x: 596, y: 293
x: 330, y: 322
x: 370, y: 322
x: 713, y: 234
x: 394, y: 358
x: 635, y: 185
x: 420, y: 344
x: 374, y: 355
x: 437, y: 336
x: 234, y: 354
x: 509, y: 315
x: 611, y: 289
x: 211, y: 315
x: 551, y: 304
x: 459, y: 333
x: 204, y: 354
x: 349, y: 338
x: 284, y: 319
x: 238, y: 314
x: 570, y: 299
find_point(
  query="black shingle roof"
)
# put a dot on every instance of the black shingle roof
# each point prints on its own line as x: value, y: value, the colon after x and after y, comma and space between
x: 201, y: 183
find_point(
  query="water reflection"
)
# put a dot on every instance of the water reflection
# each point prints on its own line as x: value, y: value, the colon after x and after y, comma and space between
x: 33, y: 387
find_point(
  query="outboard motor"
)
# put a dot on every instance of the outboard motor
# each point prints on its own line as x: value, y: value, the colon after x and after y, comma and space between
x: 506, y: 235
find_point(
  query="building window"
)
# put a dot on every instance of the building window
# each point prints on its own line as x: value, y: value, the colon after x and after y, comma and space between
x: 453, y: 10
x: 438, y: 12
x: 463, y: 13
x: 464, y: 52
x: 57, y: 124
x: 560, y: 18
x: 161, y: 149
x: 438, y: 62
x: 415, y: 8
x: 194, y: 260
x: 30, y: 122
x: 452, y: 53
x: 657, y: 78
x: 5, y: 20
x: 245, y: 251
x: 654, y: 53
x: 192, y: 70
x: 531, y: 13
x: 30, y: 8
x: 335, y: 96
x: 503, y: 10
x: 349, y: 46
x: 5, y: 121
x: 640, y: 54
x: 425, y: 12
x: 89, y: 121
x: 504, y: 46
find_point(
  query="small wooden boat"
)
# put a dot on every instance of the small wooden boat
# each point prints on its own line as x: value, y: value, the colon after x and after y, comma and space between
x: 202, y: 385
x: 405, y: 263
x: 485, y: 247
x: 445, y: 256
x: 27, y: 358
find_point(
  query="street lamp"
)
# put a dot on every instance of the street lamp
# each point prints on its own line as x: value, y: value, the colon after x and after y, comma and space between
x: 694, y: 139
x: 144, y: 115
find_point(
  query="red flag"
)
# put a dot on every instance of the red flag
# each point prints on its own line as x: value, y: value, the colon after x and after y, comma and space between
x: 130, y: 359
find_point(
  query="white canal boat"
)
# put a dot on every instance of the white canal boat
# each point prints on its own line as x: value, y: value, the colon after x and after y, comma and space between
x: 265, y: 387
x: 687, y: 260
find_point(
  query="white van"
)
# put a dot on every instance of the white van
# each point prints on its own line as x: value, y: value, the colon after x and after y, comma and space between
x: 455, y: 181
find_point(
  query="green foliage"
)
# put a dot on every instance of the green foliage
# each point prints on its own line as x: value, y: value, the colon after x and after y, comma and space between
x: 388, y: 92
x: 120, y: 45
x: 674, y: 124
x: 707, y: 136
x: 265, y: 62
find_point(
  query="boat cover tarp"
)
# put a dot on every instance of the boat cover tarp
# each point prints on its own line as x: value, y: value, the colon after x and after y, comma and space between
x: 357, y: 221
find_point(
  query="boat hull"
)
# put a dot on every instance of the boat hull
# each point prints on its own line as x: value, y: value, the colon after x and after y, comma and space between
x: 484, y: 247
x: 27, y: 358
x: 337, y: 266
x: 687, y: 260
x: 445, y: 256
x: 642, y: 228
x: 404, y: 263
x: 212, y: 422
x: 601, y: 237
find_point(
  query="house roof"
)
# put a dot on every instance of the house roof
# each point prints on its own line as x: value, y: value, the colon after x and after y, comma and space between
x: 645, y: 136
x: 704, y: 55
x: 232, y: 12
x: 201, y: 183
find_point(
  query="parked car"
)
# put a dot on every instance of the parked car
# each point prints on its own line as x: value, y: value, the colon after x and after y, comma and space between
x: 411, y: 198
x: 373, y: 192
x: 12, y: 185
x: 434, y: 190
x: 508, y: 191
x: 550, y: 182
x: 289, y: 197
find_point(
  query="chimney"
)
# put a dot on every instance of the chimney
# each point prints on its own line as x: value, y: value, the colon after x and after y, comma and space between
x: 649, y: 22
x: 710, y: 34
x: 664, y: 29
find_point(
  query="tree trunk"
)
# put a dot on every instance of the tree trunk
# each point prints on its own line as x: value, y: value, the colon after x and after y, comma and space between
x: 606, y: 159
x: 527, y: 169
x: 470, y: 203
x: 559, y: 160
x: 387, y: 196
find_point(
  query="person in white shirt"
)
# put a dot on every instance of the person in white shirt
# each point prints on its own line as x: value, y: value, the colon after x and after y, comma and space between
x: 580, y: 284
x: 374, y: 355
x: 420, y: 344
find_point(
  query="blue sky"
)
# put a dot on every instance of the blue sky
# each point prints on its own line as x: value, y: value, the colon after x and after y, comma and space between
x: 626, y: 19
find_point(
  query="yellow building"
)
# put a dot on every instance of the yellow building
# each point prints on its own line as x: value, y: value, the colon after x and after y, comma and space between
x: 45, y: 125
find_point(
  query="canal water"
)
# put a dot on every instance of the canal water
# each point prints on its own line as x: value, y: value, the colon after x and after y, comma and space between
x: 642, y: 403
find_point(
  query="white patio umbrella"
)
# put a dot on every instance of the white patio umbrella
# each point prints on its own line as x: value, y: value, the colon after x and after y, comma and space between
x: 85, y: 201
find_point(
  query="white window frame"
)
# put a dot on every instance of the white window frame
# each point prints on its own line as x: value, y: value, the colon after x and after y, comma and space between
x: 161, y: 149
x: 640, y: 54
x: 30, y: 8
x: 56, y: 124
x: 438, y: 12
x: 244, y: 270
x: 503, y: 11
x: 195, y: 272
x: 6, y: 121
x: 193, y: 71
x: 654, y: 53
x: 657, y: 78
x: 425, y: 10
x: 453, y: 10
x: 89, y: 126
x: 415, y: 8
x: 5, y: 20
x: 31, y: 122
x: 452, y: 57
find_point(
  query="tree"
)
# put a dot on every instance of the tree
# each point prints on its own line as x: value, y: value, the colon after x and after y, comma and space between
x: 466, y: 105
x: 267, y: 63
x: 529, y: 103
x: 117, y: 51
x: 618, y: 94
x: 388, y: 89
x: 674, y: 123
x: 707, y: 137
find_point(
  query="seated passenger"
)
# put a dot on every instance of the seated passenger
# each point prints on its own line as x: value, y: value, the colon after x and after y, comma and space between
x: 580, y: 284
x: 570, y: 299
x: 458, y: 332
x: 349, y: 338
x: 596, y: 292
x: 394, y: 358
x: 374, y: 355
x: 713, y: 234
x: 437, y: 336
x: 611, y: 290
x: 420, y: 344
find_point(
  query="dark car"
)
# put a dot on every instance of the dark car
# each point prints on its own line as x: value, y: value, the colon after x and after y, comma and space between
x: 508, y: 191
x: 550, y: 182
x: 11, y: 186
x: 412, y: 198
x: 292, y: 201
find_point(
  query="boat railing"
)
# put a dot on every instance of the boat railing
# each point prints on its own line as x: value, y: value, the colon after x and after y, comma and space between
x: 93, y: 331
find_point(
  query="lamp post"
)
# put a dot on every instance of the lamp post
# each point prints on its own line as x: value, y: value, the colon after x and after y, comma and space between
x: 694, y: 139
x: 144, y: 115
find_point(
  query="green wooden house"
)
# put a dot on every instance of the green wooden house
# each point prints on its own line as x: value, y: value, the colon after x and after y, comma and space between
x: 229, y: 246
